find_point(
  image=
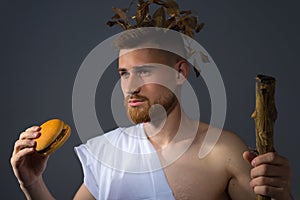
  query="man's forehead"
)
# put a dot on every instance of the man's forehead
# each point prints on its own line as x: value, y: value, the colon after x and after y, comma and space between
x: 124, y: 52
x: 141, y: 56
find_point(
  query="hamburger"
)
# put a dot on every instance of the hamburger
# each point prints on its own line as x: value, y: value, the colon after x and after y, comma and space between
x: 54, y: 133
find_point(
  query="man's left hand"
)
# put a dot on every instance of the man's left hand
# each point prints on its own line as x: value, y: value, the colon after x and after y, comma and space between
x: 270, y: 175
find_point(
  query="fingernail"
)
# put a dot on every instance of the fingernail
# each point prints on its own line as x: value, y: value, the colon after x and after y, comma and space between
x: 36, y: 134
x: 253, y: 163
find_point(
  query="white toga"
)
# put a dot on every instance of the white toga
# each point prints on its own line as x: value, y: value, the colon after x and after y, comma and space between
x: 122, y: 164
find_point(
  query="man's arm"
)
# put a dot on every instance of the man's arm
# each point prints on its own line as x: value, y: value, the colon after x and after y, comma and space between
x: 83, y: 194
x: 237, y: 168
x: 37, y: 191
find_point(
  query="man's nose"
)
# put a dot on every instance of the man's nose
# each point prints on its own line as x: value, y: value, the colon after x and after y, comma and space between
x: 133, y: 85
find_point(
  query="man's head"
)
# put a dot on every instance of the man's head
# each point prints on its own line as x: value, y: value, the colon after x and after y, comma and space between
x: 150, y: 74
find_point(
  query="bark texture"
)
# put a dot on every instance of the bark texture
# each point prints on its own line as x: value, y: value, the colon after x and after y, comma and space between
x: 264, y: 116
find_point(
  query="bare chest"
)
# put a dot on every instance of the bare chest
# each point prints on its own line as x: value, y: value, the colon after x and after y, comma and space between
x: 191, y: 178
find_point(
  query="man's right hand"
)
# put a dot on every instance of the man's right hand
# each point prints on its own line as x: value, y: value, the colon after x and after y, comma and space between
x: 27, y: 164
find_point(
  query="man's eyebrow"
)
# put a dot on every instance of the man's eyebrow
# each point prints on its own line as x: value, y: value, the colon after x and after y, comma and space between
x: 138, y: 68
x: 122, y: 70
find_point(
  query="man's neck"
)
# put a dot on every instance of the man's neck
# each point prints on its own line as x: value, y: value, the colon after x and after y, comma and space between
x: 160, y: 133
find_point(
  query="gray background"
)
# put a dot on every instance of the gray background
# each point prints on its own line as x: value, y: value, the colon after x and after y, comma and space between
x: 43, y: 44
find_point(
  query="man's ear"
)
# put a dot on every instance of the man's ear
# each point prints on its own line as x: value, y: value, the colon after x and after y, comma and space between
x: 183, y: 69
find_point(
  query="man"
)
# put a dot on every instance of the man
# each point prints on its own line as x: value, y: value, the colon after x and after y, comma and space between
x: 151, y: 81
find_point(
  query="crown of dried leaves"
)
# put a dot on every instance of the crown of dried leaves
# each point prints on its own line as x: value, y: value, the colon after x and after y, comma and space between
x: 167, y: 16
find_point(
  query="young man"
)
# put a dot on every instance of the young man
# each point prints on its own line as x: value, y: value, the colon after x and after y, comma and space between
x: 117, y: 165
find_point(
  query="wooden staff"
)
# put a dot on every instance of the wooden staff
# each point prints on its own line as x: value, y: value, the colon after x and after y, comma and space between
x: 264, y: 115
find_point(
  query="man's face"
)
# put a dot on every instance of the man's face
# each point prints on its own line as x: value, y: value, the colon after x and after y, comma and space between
x: 146, y: 80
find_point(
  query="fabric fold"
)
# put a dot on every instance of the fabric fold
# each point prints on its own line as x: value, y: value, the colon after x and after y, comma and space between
x: 123, y: 164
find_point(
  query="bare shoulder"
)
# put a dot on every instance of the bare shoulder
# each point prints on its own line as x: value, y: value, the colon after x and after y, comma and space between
x: 228, y: 155
x: 230, y: 141
x: 228, y: 149
x: 227, y: 141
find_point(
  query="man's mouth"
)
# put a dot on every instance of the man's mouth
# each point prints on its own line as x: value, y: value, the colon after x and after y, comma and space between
x: 135, y: 102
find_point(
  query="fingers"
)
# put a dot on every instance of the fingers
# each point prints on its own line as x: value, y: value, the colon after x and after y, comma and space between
x: 266, y: 170
x: 18, y: 156
x: 268, y: 181
x: 33, y: 128
x: 269, y: 158
x: 30, y: 133
x: 249, y: 156
x: 25, y: 143
x: 271, y: 175
x: 26, y: 139
x: 271, y: 165
x: 270, y: 191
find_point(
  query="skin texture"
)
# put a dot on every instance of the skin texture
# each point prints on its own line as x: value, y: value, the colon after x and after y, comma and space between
x: 222, y: 174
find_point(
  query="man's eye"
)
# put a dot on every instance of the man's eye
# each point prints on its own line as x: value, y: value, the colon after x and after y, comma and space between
x: 143, y: 73
x: 124, y: 74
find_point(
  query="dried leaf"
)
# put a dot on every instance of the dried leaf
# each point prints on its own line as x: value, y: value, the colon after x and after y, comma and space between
x: 199, y: 27
x: 188, y: 31
x: 142, y: 12
x: 177, y: 20
x: 147, y: 24
x: 191, y: 22
x: 117, y: 16
x: 204, y: 57
x: 186, y: 12
x: 120, y: 13
x: 176, y: 27
x: 172, y: 8
x: 158, y: 2
x: 192, y: 52
x: 123, y: 24
x: 111, y: 23
x: 170, y: 23
x: 159, y: 17
x: 196, y: 68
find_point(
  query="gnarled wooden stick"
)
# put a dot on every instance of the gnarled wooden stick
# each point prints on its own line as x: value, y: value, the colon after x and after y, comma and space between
x: 264, y: 115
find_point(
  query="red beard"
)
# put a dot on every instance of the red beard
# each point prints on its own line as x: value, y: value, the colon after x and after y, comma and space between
x: 141, y: 114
